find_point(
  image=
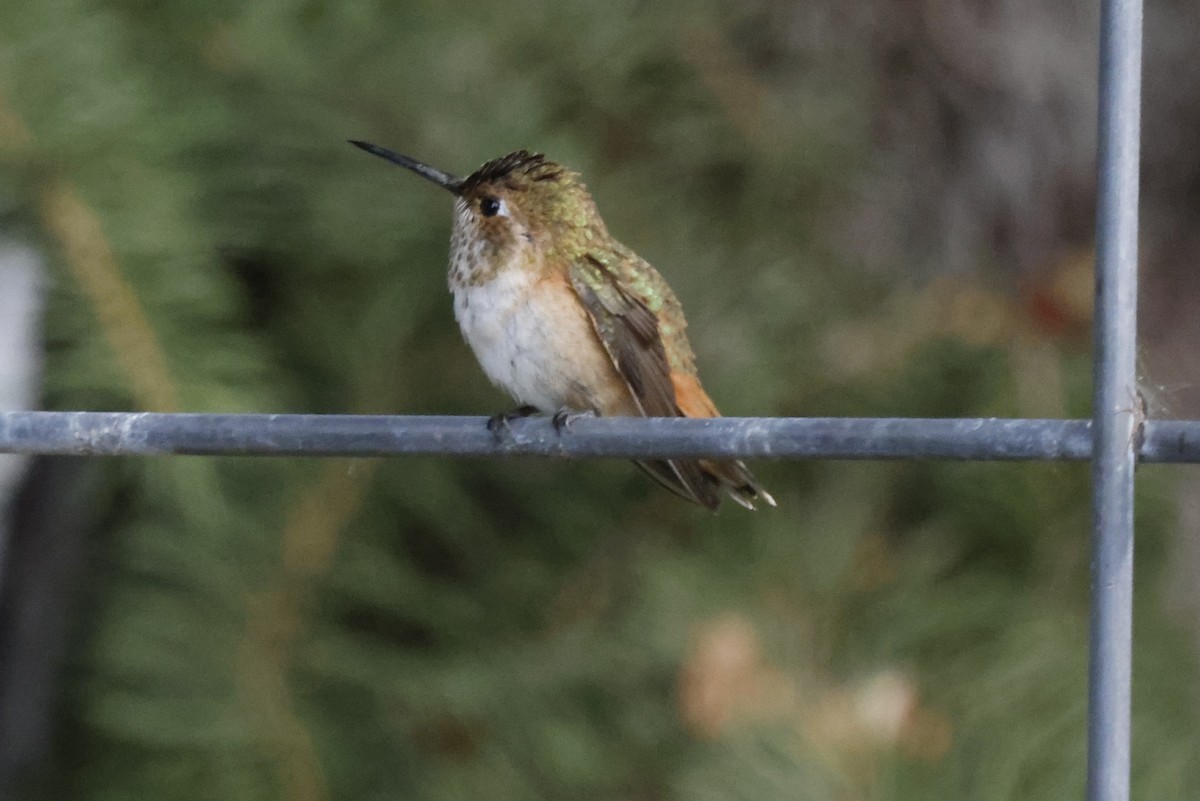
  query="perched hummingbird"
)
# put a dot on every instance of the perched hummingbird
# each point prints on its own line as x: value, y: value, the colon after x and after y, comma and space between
x: 565, y: 318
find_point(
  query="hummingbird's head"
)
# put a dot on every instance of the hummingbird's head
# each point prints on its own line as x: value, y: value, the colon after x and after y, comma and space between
x: 521, y: 202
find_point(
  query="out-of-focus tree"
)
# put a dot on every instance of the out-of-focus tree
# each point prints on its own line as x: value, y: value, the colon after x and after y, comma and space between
x: 875, y: 208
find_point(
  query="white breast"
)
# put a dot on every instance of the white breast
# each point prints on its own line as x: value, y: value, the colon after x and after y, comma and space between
x: 516, y: 331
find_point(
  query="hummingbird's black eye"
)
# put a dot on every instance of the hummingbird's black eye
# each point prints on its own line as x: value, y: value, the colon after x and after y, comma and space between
x: 489, y: 206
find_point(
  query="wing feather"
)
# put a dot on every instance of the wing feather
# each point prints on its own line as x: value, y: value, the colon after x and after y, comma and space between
x: 630, y: 334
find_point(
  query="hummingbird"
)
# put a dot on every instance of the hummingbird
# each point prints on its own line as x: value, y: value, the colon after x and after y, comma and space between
x: 566, y: 319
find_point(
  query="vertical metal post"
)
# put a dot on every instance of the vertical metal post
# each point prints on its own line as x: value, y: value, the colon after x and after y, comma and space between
x: 1115, y: 401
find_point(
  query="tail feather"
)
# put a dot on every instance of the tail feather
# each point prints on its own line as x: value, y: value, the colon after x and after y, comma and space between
x: 685, y: 479
x: 702, y: 482
x: 738, y: 482
x: 731, y: 476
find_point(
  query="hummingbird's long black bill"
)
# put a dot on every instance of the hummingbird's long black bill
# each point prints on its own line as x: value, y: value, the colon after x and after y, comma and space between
x: 442, y: 179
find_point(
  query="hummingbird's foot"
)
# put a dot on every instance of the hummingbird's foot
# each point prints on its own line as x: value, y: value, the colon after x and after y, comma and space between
x: 563, y: 418
x: 498, y: 423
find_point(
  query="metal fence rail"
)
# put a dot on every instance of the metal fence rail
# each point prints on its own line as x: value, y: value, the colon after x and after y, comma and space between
x: 1115, y: 410
x: 983, y: 439
x: 1114, y: 440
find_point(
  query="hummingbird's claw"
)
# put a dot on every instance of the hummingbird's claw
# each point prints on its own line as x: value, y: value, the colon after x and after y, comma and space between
x: 563, y: 418
x: 498, y: 423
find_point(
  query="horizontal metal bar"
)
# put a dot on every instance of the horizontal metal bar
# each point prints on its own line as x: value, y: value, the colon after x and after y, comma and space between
x: 115, y: 433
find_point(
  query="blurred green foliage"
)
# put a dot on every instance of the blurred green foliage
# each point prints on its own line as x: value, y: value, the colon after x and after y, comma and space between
x: 436, y: 629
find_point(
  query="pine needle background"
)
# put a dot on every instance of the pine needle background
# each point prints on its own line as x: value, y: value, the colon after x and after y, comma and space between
x: 435, y: 629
